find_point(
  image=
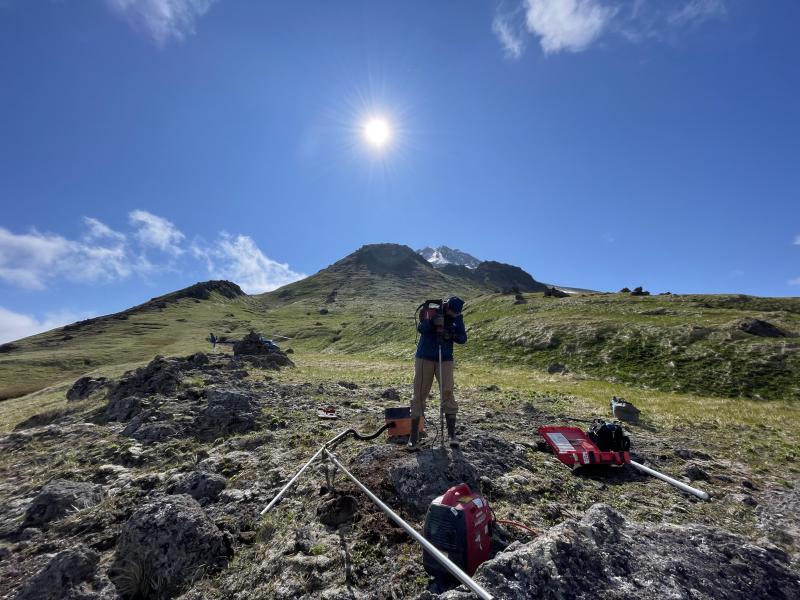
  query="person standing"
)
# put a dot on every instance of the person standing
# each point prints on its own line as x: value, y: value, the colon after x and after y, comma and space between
x: 437, y: 333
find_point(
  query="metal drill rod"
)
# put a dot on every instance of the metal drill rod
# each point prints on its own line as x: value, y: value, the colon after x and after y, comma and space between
x: 433, y: 550
x: 678, y: 484
x: 289, y: 484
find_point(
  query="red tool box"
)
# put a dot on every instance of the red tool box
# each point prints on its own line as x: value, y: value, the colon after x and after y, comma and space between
x: 573, y: 447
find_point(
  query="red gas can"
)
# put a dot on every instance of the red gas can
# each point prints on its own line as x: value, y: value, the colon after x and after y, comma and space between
x: 459, y: 523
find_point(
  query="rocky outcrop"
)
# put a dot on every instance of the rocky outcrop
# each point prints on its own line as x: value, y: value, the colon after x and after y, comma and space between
x: 70, y: 575
x: 203, y: 487
x: 227, y: 412
x: 760, y: 328
x: 59, y: 497
x: 605, y: 555
x: 164, y: 545
x: 84, y: 387
x: 160, y: 376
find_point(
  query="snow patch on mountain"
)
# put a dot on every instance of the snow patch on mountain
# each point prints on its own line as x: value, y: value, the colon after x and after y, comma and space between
x: 448, y: 256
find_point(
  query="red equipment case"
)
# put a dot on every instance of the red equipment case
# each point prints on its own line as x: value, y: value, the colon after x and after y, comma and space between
x: 459, y: 523
x: 573, y: 447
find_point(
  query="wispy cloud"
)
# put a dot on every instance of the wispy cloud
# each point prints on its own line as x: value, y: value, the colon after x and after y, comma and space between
x: 797, y: 241
x: 795, y: 281
x: 29, y: 260
x: 14, y: 325
x: 162, y: 20
x: 696, y: 12
x: 575, y: 25
x: 34, y: 260
x: 239, y: 259
x: 156, y: 232
x: 511, y: 33
x: 567, y: 25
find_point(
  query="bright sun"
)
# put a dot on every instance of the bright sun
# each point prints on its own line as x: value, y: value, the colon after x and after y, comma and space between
x: 377, y: 131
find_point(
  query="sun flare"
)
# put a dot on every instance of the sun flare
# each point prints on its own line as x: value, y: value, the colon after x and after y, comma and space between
x: 377, y: 132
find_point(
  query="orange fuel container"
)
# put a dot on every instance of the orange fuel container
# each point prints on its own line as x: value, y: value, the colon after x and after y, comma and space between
x: 402, y: 421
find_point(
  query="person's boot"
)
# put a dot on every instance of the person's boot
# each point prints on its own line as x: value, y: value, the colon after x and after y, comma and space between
x: 413, y: 437
x: 451, y: 430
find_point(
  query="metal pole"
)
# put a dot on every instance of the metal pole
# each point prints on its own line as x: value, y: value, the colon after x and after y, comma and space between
x: 286, y: 487
x: 678, y: 484
x: 434, y: 551
x: 441, y: 395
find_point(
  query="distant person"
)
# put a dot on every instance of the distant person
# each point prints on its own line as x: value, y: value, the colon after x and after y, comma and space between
x: 437, y: 332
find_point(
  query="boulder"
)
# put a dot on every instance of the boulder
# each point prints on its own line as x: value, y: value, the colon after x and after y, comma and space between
x: 556, y: 367
x: 84, y: 387
x: 69, y: 575
x: 160, y: 376
x: 227, y: 412
x: 605, y: 555
x: 760, y: 328
x: 165, y: 545
x: 201, y: 486
x: 59, y: 497
x: 123, y: 409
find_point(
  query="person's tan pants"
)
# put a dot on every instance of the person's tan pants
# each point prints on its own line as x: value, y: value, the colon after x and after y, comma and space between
x: 424, y: 372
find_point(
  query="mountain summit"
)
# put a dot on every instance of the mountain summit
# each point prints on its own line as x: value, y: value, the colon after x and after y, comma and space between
x: 443, y: 255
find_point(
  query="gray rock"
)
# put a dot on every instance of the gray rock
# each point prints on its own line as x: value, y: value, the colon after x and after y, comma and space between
x: 160, y: 376
x: 164, y: 545
x: 123, y: 409
x: 556, y: 367
x: 84, y: 387
x: 760, y: 328
x: 59, y: 497
x: 200, y: 485
x: 69, y: 575
x: 227, y: 412
x: 604, y: 555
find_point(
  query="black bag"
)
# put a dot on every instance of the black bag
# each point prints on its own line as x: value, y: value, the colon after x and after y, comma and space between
x: 608, y: 436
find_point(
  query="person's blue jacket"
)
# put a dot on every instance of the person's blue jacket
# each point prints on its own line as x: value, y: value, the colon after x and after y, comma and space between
x: 428, y: 346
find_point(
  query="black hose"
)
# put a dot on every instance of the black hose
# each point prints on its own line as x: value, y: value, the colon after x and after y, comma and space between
x: 358, y: 436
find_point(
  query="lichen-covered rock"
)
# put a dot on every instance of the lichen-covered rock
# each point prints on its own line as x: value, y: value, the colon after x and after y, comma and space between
x: 200, y: 485
x: 605, y: 555
x: 124, y: 409
x: 70, y: 575
x: 160, y: 376
x: 227, y: 412
x: 164, y: 545
x: 59, y: 497
x: 84, y: 387
x: 760, y: 328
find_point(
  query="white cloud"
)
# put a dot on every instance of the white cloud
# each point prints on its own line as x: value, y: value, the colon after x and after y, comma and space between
x: 157, y: 232
x: 99, y: 230
x: 15, y: 326
x: 795, y: 281
x: 797, y: 241
x: 695, y: 12
x: 163, y: 20
x: 574, y: 25
x: 28, y: 260
x: 511, y: 35
x: 567, y: 25
x: 240, y: 260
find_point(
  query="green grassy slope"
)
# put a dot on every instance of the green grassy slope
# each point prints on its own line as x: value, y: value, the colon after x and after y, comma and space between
x: 364, y: 305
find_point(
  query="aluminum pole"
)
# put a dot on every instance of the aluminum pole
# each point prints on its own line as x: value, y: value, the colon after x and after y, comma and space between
x: 433, y: 550
x: 286, y: 487
x: 678, y: 484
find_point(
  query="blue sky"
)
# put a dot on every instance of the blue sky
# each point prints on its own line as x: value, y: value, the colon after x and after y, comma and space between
x: 149, y: 144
